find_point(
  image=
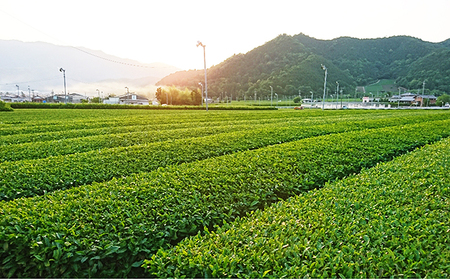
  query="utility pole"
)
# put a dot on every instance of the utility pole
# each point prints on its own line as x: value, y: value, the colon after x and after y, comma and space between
x: 337, y: 94
x: 65, y: 93
x: 206, y: 80
x: 324, y: 85
x: 201, y: 84
x: 271, y: 95
x: 128, y: 94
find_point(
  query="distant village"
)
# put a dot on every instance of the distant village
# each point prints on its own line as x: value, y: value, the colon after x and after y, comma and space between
x: 405, y: 99
x: 76, y: 98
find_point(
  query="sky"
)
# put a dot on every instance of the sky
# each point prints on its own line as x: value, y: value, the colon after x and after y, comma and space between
x: 168, y: 30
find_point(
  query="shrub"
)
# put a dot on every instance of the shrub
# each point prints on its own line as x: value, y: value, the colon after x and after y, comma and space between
x: 5, y: 107
x: 297, y: 100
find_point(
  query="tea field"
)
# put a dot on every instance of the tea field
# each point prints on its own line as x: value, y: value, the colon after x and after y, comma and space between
x: 156, y: 193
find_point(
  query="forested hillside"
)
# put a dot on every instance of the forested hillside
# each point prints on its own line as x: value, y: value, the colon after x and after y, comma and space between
x: 433, y: 68
x: 291, y: 65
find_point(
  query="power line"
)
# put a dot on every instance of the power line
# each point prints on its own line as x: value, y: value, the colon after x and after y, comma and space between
x: 113, y: 61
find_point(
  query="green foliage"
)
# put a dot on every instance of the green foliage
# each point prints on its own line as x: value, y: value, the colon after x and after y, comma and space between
x: 389, y: 221
x: 174, y: 96
x: 383, y: 87
x: 126, y: 107
x: 159, y: 95
x: 96, y: 100
x: 185, y: 174
x: 42, y: 149
x: 128, y: 218
x: 443, y: 99
x: 433, y: 68
x: 96, y: 160
x: 283, y: 63
x: 5, y: 107
x: 297, y: 100
x: 288, y: 63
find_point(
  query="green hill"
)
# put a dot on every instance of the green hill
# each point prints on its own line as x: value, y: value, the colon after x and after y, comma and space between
x: 292, y: 63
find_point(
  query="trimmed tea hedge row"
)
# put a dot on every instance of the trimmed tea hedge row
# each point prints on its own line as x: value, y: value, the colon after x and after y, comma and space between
x: 78, y: 145
x: 41, y: 145
x: 43, y: 149
x: 141, y: 107
x: 40, y: 176
x: 36, y: 177
x: 389, y: 221
x: 67, y: 120
x: 5, y: 106
x: 35, y: 121
x: 78, y: 133
x: 108, y: 229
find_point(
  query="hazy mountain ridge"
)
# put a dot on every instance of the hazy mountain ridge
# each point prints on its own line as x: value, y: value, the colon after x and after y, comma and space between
x: 292, y: 63
x: 37, y: 65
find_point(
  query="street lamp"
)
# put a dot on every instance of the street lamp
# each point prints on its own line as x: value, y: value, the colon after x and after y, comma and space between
x: 64, y: 75
x: 324, y: 85
x: 206, y: 80
x: 98, y: 92
x: 201, y: 84
x: 18, y: 94
x: 128, y: 93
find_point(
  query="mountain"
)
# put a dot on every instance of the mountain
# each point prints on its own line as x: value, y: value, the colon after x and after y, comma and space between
x: 293, y: 63
x: 37, y: 64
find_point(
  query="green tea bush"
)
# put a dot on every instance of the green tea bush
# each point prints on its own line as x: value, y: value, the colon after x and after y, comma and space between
x: 26, y: 178
x: 5, y: 107
x: 141, y: 107
x: 85, y: 140
x: 108, y: 229
x: 389, y: 221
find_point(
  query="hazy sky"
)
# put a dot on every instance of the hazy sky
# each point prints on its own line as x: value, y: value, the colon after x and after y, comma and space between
x: 167, y: 31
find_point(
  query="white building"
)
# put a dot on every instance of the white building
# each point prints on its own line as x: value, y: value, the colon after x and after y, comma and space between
x: 128, y: 99
x: 8, y: 98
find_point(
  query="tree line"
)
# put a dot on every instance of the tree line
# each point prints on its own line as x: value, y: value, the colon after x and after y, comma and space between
x: 290, y: 65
